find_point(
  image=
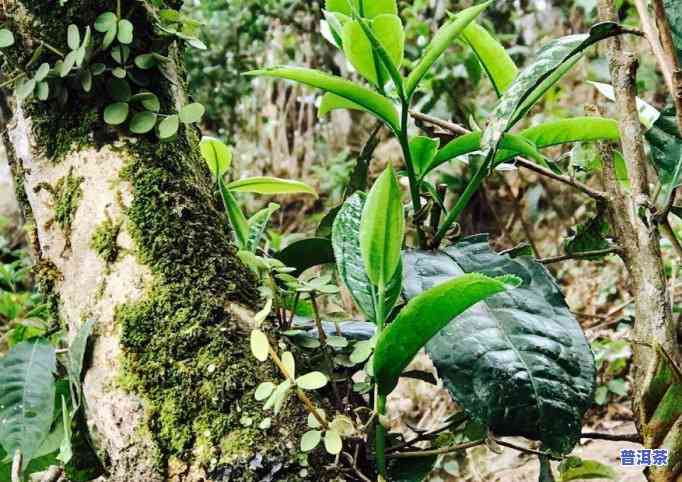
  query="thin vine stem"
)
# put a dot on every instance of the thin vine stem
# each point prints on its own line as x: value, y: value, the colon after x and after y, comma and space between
x: 412, y: 176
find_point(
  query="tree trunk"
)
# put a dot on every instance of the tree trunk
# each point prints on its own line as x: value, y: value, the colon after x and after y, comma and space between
x: 126, y: 231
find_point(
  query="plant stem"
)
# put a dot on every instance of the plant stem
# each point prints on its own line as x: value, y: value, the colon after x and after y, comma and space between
x: 380, y: 399
x: 414, y: 183
x: 440, y: 451
x: 580, y: 255
x: 53, y: 49
x: 462, y: 203
x: 325, y: 349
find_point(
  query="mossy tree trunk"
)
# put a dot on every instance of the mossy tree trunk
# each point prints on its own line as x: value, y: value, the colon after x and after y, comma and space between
x: 127, y: 231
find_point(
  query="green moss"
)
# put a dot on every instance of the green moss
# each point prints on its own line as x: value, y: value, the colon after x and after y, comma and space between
x: 66, y: 194
x: 183, y: 351
x: 104, y: 238
x: 47, y: 276
x: 64, y: 130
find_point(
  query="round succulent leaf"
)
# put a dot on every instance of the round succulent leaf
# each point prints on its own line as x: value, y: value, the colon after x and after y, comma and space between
x: 148, y: 99
x: 67, y: 64
x: 125, y: 32
x: 43, y: 90
x: 191, y: 113
x: 289, y: 363
x: 143, y: 122
x: 42, y: 72
x: 119, y: 72
x: 337, y: 341
x: 332, y: 442
x: 73, y: 37
x: 264, y: 390
x: 109, y: 38
x: 6, y: 38
x: 310, y: 440
x: 116, y: 113
x: 169, y: 126
x: 119, y: 90
x: 342, y: 425
x: 260, y: 346
x: 313, y: 422
x: 105, y: 22
x: 24, y: 88
x: 361, y: 351
x: 98, y: 68
x: 145, y: 61
x: 312, y: 381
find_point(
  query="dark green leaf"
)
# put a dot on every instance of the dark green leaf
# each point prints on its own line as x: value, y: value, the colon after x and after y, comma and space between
x: 27, y: 397
x: 424, y: 316
x: 142, y: 122
x: 552, y: 62
x: 145, y: 61
x: 119, y: 90
x: 673, y: 10
x: 346, y: 243
x: 148, y: 100
x: 307, y: 253
x: 519, y: 362
x: 116, y: 114
x: 77, y: 355
x: 373, y: 102
x: 666, y: 150
x: 105, y: 22
x: 413, y: 469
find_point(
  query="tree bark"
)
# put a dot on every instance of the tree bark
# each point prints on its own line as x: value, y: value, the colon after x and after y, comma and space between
x: 657, y: 382
x: 126, y: 231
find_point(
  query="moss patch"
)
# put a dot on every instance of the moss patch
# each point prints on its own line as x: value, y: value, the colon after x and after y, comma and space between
x: 104, y: 238
x: 66, y: 194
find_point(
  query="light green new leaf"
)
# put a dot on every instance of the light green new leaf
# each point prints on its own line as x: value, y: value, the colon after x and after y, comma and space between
x: 440, y: 42
x: 217, y: 155
x: 105, y: 22
x: 116, y: 113
x: 260, y: 346
x: 553, y: 61
x: 366, y: 8
x: 42, y: 72
x: 379, y: 105
x: 257, y: 225
x: 497, y: 63
x: 264, y: 390
x: 27, y: 396
x: 73, y: 37
x: 382, y: 229
x: 169, y: 126
x: 24, y: 88
x: 575, y: 468
x: 424, y: 316
x: 423, y: 150
x: 289, y: 363
x: 142, y: 122
x: 191, y: 113
x: 312, y: 381
x: 310, y: 440
x: 270, y: 185
x: 388, y: 36
x: 563, y: 131
x: 332, y: 102
x: 6, y: 38
x: 238, y: 221
x: 65, y: 449
x: 332, y: 442
x: 125, y: 32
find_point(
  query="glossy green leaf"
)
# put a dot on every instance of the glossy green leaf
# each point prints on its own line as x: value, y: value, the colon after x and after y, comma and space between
x: 257, y: 225
x: 424, y: 316
x: 116, y: 113
x: 423, y: 150
x: 169, y: 126
x: 306, y: 253
x: 497, y: 63
x: 125, y: 32
x: 575, y: 468
x: 217, y: 155
x: 260, y: 346
x: 310, y: 440
x: 105, y: 22
x: 73, y: 37
x: 332, y: 102
x: 440, y: 42
x: 379, y: 105
x: 553, y: 61
x: 349, y: 262
x: 368, y: 8
x: 191, y: 113
x: 6, y: 38
x: 270, y: 185
x: 382, y: 229
x: 238, y: 221
x: 27, y: 397
x: 564, y: 131
x: 312, y: 381
x: 149, y: 101
x: 518, y: 362
x: 142, y: 122
x: 387, y: 31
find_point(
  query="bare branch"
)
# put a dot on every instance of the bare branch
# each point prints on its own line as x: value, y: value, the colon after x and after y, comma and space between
x: 581, y: 255
x: 628, y: 437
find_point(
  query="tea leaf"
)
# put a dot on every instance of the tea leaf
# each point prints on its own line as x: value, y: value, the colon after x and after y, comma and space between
x: 270, y: 185
x: 497, y: 63
x: 217, y: 155
x: 424, y: 316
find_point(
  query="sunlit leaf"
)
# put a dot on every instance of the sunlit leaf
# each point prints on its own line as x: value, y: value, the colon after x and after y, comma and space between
x: 6, y: 38
x: 116, y: 113
x: 125, y: 32
x: 73, y: 37
x: 264, y: 390
x: 423, y: 150
x: 169, y: 126
x: 270, y: 185
x: 332, y: 442
x: 312, y: 381
x: 217, y: 155
x: 191, y: 113
x: 497, y: 63
x: 260, y: 346
x: 105, y: 22
x: 310, y: 440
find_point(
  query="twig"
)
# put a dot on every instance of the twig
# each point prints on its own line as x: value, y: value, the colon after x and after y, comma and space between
x: 440, y: 451
x: 353, y: 465
x: 527, y: 450
x: 581, y: 255
x: 627, y: 437
x: 651, y: 34
x: 16, y: 466
x: 610, y: 315
x: 457, y: 129
x: 52, y: 474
